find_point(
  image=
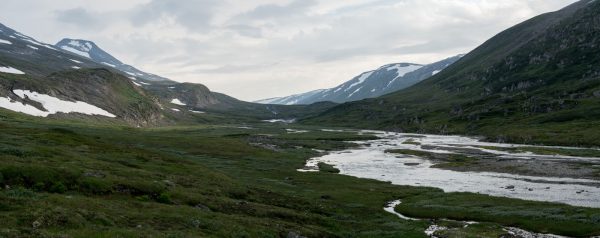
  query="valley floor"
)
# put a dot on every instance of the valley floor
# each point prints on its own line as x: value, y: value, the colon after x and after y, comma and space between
x: 67, y: 179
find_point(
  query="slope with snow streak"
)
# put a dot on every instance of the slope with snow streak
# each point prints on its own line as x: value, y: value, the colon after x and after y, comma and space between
x: 177, y: 102
x: 10, y: 70
x: 51, y: 104
x: 386, y: 79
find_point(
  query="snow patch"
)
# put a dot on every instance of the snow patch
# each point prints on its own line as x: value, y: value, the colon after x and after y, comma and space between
x: 54, y: 105
x: 294, y: 131
x: 9, y: 104
x: 10, y: 70
x: 37, y: 43
x: 177, y: 102
x: 111, y: 65
x: 76, y: 61
x: 137, y: 84
x: 357, y: 90
x: 401, y: 71
x: 280, y: 120
x: 5, y: 42
x: 85, y: 47
x: 75, y: 51
x: 361, y: 79
x: 75, y: 67
x: 175, y: 109
x: 199, y: 112
x: 435, y: 72
x: 33, y: 47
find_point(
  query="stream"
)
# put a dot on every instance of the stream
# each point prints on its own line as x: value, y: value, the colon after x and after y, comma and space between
x: 371, y: 161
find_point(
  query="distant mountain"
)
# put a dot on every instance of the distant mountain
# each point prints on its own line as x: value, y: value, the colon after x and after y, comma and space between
x: 386, y: 79
x: 90, y: 50
x: 538, y: 81
x: 292, y: 100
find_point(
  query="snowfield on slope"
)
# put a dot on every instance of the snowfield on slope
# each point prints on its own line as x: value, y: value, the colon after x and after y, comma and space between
x: 10, y: 70
x: 177, y: 102
x: 51, y: 104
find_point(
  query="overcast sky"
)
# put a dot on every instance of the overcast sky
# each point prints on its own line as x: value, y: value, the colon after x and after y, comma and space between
x: 266, y: 48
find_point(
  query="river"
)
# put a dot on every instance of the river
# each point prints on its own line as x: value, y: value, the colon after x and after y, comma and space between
x: 371, y: 161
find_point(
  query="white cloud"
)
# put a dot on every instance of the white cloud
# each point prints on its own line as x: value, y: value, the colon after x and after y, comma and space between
x: 265, y: 48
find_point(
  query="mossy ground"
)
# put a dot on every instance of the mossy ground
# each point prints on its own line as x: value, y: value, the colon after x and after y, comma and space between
x: 72, y: 179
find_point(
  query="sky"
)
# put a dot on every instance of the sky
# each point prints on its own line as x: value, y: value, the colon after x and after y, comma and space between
x: 267, y: 48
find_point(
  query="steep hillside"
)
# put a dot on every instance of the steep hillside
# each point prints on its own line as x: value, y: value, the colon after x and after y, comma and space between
x: 386, y: 79
x: 536, y: 82
x: 95, y: 93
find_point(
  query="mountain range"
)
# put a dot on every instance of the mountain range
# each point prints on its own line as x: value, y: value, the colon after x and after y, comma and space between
x: 371, y: 84
x: 76, y: 78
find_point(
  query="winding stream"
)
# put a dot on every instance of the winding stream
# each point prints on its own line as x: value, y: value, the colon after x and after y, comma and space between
x: 371, y: 161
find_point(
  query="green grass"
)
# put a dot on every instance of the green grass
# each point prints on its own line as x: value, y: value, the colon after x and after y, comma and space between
x: 508, y: 212
x: 323, y: 167
x: 96, y: 180
x: 548, y: 151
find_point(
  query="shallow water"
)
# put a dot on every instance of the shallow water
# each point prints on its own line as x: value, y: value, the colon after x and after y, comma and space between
x: 370, y: 161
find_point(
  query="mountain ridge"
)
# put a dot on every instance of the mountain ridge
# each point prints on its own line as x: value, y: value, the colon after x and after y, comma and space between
x: 91, y: 50
x: 370, y: 84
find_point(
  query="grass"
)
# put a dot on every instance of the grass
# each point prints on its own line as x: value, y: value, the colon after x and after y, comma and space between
x: 448, y: 160
x: 508, y: 212
x: 547, y: 151
x: 63, y: 179
x: 323, y: 167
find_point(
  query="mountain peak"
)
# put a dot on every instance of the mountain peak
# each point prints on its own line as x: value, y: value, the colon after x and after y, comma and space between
x: 78, y: 44
x: 91, y: 50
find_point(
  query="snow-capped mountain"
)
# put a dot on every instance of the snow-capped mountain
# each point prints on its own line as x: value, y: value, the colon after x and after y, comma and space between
x: 90, y: 50
x: 386, y: 79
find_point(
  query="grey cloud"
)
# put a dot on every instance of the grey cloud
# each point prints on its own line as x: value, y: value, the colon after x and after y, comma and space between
x: 195, y: 15
x: 268, y: 11
x: 246, y: 30
x: 81, y: 18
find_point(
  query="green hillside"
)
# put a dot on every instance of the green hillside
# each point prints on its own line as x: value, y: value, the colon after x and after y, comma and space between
x: 537, y: 82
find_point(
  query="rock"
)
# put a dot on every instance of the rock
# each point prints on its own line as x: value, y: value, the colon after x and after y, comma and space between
x: 36, y: 224
x: 94, y: 174
x: 411, y: 164
x: 202, y: 207
x: 169, y: 183
x: 510, y: 187
x: 292, y: 234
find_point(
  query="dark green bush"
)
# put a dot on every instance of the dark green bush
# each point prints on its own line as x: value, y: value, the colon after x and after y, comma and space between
x: 57, y: 187
x: 95, y: 186
x: 164, y: 198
